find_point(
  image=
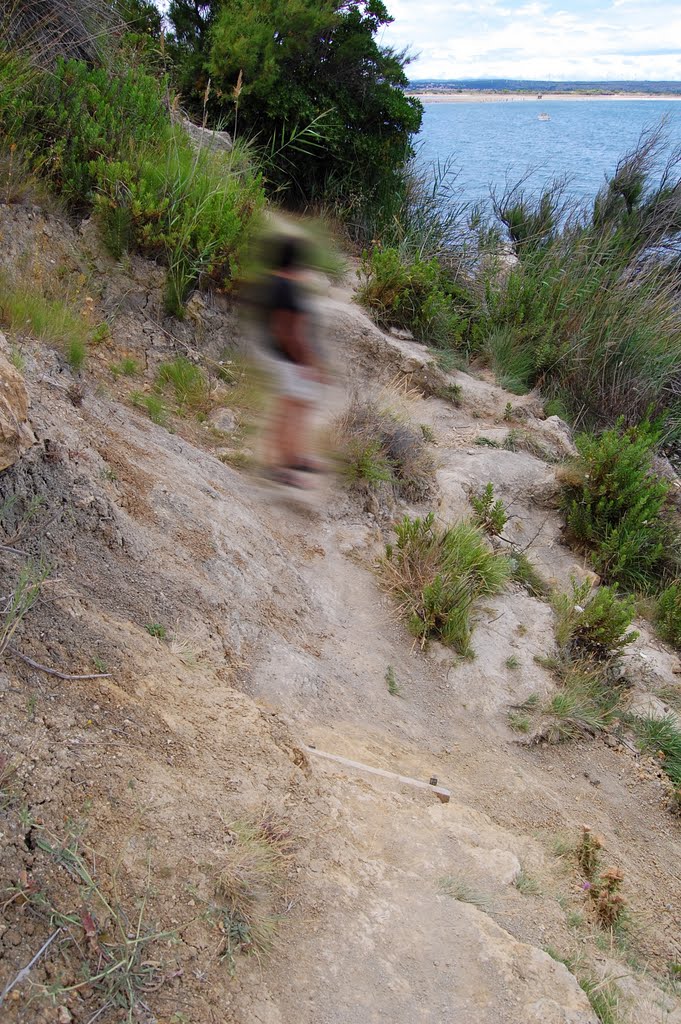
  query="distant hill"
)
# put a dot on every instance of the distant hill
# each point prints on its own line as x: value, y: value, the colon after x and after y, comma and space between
x: 530, y: 85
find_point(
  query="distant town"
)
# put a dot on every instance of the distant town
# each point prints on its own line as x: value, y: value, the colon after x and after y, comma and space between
x: 510, y: 85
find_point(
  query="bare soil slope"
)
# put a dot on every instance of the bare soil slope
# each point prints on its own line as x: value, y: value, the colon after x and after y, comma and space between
x: 383, y: 903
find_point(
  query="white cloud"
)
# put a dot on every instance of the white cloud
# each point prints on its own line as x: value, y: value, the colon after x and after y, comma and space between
x: 575, y: 39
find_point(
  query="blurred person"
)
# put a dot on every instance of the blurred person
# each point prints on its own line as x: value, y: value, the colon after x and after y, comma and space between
x: 295, y: 362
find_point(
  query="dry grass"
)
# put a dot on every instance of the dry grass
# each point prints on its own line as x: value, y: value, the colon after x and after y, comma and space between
x: 251, y: 886
x: 380, y: 450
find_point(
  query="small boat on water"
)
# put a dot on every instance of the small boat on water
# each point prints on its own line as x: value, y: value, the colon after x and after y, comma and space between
x: 544, y: 117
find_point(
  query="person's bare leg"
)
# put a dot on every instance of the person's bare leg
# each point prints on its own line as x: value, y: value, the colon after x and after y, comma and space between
x: 291, y: 433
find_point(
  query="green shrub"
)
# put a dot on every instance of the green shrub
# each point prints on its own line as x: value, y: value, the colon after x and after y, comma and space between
x: 437, y: 574
x: 590, y: 311
x: 104, y: 140
x: 490, y: 515
x: 90, y: 117
x: 617, y: 506
x: 668, y: 618
x: 593, y: 624
x: 414, y: 295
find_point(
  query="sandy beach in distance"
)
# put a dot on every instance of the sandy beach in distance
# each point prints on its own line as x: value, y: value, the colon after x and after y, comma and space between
x: 485, y: 97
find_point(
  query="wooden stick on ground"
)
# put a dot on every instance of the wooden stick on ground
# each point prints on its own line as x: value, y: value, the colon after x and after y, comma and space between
x: 53, y: 671
x: 440, y: 792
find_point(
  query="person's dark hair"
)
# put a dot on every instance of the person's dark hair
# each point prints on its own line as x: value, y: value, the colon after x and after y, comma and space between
x: 290, y: 254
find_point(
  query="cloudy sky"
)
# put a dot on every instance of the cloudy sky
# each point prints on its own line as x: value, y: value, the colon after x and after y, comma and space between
x: 559, y: 39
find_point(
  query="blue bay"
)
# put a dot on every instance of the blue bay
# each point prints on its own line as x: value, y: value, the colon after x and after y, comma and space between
x: 491, y: 143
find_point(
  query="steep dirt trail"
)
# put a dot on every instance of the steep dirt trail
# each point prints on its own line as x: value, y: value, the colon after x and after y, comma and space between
x: 274, y: 612
x: 450, y: 722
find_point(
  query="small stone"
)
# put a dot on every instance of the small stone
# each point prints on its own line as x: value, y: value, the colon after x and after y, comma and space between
x: 223, y: 420
x: 64, y: 1016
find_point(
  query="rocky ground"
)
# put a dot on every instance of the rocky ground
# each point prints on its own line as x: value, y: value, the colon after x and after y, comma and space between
x: 129, y: 798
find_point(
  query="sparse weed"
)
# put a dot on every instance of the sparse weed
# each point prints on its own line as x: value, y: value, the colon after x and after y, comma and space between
x: 378, y: 449
x: 99, y: 664
x: 391, y: 682
x: 101, y: 332
x: 237, y: 460
x: 490, y: 515
x: 16, y: 358
x: 126, y: 367
x: 511, y: 362
x: 609, y: 903
x: 519, y: 722
x: 154, y: 406
x: 250, y: 886
x: 602, y: 993
x: 563, y: 846
x: 436, y: 575
x: 447, y: 393
x: 427, y: 433
x: 662, y: 737
x: 588, y: 853
x: 117, y: 965
x: 459, y: 889
x: 513, y: 661
x: 24, y: 308
x: 157, y: 630
x: 524, y: 572
x: 526, y: 884
x: 20, y: 601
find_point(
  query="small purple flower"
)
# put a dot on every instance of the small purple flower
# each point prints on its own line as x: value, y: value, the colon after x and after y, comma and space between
x: 586, y: 885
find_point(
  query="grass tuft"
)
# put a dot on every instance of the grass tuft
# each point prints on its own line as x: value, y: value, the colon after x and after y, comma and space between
x: 250, y: 887
x: 154, y: 406
x: 187, y: 382
x: 458, y: 888
x: 378, y: 449
x: 437, y: 573
x: 391, y: 682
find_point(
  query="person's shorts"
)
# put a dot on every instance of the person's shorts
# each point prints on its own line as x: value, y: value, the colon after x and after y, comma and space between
x: 290, y: 381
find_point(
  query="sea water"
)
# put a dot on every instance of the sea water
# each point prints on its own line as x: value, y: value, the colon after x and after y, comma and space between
x: 494, y: 144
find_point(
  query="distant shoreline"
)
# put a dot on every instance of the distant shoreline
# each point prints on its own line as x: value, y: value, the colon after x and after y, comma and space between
x: 477, y: 96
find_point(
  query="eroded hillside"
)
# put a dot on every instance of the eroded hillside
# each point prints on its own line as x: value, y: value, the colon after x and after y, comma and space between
x: 164, y: 825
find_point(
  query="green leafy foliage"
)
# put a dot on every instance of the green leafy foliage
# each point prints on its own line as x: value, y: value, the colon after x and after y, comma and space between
x: 593, y: 624
x: 437, y: 573
x: 414, y: 295
x: 489, y: 514
x: 278, y: 65
x: 617, y: 506
x: 104, y: 141
x: 668, y: 619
